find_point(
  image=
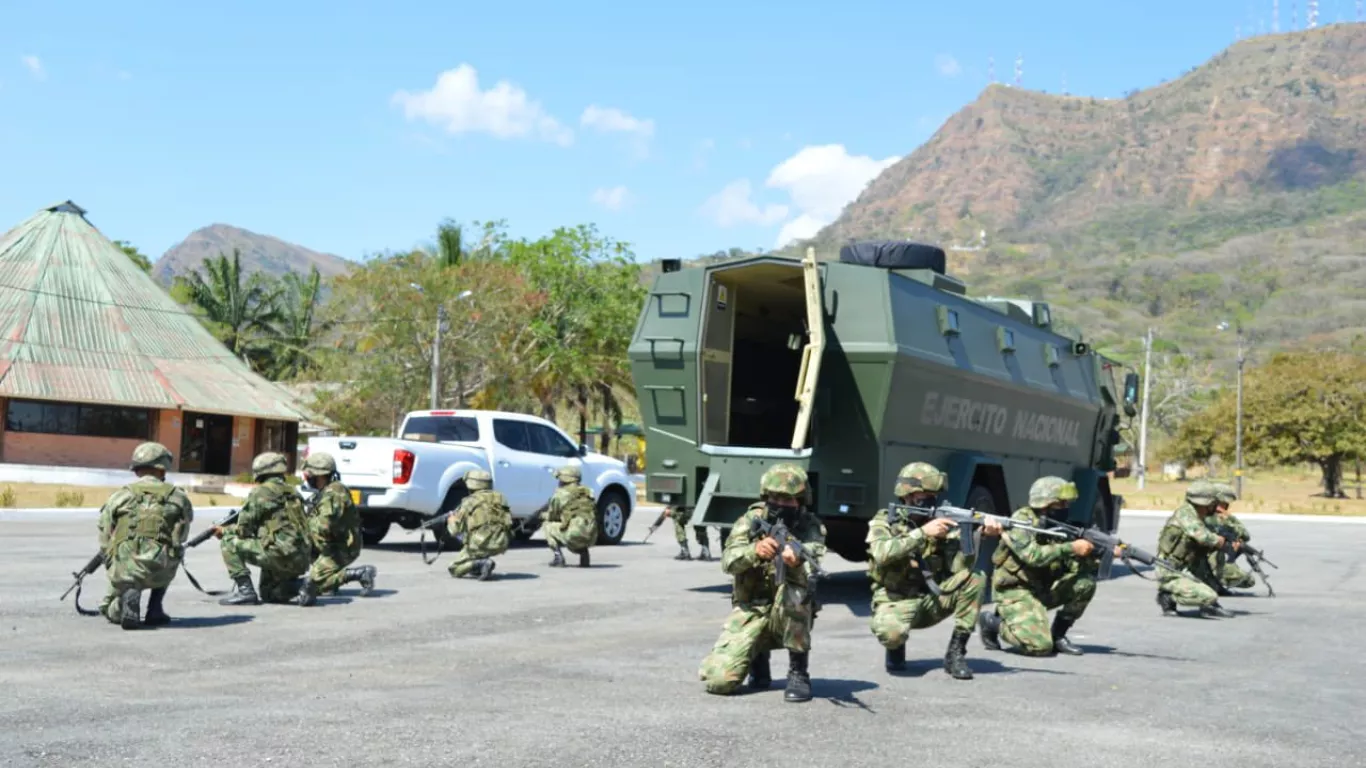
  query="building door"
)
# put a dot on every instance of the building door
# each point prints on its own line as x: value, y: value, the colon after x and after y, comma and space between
x: 206, y: 443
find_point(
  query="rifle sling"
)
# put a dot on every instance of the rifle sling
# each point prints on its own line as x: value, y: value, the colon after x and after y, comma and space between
x: 79, y: 609
x: 422, y: 547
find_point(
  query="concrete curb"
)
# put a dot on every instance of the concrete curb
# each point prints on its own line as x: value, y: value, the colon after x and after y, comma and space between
x: 1257, y: 516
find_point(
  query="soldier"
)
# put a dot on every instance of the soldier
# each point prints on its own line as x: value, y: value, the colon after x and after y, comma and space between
x: 768, y: 615
x: 334, y: 530
x: 1230, y: 576
x: 680, y: 518
x: 1187, y: 541
x: 906, y: 556
x: 1033, y: 575
x: 271, y: 533
x: 571, y: 517
x: 143, y: 527
x: 484, y: 522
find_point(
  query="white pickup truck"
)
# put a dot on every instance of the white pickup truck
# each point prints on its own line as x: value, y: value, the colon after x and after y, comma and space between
x: 410, y: 479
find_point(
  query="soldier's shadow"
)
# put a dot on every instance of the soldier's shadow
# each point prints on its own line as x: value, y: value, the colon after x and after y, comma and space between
x: 199, y: 622
x: 1106, y: 650
x: 843, y: 693
x: 979, y: 666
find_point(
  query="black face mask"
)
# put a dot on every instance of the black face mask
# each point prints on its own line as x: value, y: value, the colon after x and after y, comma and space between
x: 1056, y: 514
x: 788, y: 514
x: 927, y: 502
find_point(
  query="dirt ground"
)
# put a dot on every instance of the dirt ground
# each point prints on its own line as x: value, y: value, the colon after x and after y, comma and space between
x: 43, y: 496
x: 1284, y: 492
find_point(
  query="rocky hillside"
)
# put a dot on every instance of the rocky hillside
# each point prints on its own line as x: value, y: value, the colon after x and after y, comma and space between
x: 260, y: 253
x: 1238, y: 190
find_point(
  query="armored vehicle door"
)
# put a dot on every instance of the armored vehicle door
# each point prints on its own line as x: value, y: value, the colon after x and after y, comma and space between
x: 809, y: 375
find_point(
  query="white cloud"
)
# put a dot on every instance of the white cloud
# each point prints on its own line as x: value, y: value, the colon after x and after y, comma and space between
x: 458, y: 105
x: 947, y: 65
x: 613, y: 199
x: 821, y: 180
x: 613, y: 120
x: 732, y: 206
x: 34, y: 66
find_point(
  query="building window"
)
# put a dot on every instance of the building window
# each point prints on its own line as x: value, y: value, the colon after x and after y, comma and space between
x: 39, y: 417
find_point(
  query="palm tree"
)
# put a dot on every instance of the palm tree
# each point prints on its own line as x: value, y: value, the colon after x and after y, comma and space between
x: 240, y: 313
x: 298, y: 323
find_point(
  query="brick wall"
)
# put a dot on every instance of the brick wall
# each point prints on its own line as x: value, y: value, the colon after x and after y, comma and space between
x: 167, y: 433
x: 68, y: 450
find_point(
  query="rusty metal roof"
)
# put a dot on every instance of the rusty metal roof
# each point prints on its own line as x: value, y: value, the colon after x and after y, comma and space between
x: 80, y: 322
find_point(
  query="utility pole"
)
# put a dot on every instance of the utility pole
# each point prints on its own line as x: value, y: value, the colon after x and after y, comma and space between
x: 1238, y: 428
x: 436, y: 356
x: 1143, y: 417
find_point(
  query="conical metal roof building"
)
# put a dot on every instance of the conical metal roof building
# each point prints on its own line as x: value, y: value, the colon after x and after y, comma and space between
x: 95, y: 357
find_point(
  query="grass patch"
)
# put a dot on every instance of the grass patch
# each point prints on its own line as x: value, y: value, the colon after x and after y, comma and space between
x: 47, y: 496
x: 1283, y: 493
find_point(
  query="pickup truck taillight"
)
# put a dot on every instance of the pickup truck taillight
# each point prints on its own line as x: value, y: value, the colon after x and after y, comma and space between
x: 403, y: 466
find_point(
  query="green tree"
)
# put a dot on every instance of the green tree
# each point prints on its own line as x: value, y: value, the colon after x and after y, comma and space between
x: 298, y: 325
x: 240, y: 310
x: 138, y: 258
x: 1299, y: 407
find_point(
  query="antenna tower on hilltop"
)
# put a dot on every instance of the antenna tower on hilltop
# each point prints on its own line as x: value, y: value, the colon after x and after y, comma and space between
x: 1019, y: 70
x: 991, y: 69
x: 1358, y: 10
x: 1275, y: 16
x: 1312, y: 13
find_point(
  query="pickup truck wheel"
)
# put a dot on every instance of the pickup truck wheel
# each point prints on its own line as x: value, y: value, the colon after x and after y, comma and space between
x: 373, y: 532
x: 612, y: 510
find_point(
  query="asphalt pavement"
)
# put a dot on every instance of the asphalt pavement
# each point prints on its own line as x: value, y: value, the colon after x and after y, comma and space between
x: 570, y: 667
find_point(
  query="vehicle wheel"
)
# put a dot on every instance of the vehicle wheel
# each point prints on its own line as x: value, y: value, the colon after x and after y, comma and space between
x: 373, y: 531
x: 612, y: 512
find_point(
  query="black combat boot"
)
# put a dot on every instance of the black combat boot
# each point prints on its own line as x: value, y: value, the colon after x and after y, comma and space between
x: 760, y: 677
x: 1061, y: 644
x: 798, y: 681
x: 131, y: 608
x: 704, y: 554
x: 365, y: 574
x: 156, y: 615
x: 895, y: 658
x: 583, y: 559
x: 486, y: 569
x: 954, y: 662
x: 1167, y: 603
x: 683, y: 553
x: 243, y: 593
x: 1213, y: 609
x: 557, y: 558
x: 1224, y: 591
x: 308, y: 592
x: 989, y: 623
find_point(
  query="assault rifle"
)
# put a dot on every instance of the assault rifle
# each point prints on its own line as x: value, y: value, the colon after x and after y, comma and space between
x: 89, y: 568
x: 665, y: 515
x: 1105, y: 544
x: 430, y: 524
x: 204, y: 535
x: 964, y: 519
x: 1255, y: 557
x: 761, y: 528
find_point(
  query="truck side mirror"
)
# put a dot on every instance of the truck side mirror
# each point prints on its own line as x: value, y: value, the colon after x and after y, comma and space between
x: 583, y: 449
x: 1130, y: 392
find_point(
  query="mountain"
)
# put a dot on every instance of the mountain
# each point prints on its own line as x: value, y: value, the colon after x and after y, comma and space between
x: 1237, y: 191
x: 260, y: 253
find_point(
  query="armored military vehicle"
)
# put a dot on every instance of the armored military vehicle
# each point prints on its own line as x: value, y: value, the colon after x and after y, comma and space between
x: 852, y: 369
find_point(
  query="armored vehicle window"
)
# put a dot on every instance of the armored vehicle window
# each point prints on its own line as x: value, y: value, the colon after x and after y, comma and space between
x: 1005, y: 337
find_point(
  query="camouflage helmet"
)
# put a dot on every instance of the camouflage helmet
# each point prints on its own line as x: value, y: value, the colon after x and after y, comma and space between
x: 320, y: 464
x: 478, y: 479
x: 786, y: 479
x: 151, y: 455
x: 1202, y: 493
x: 919, y: 476
x: 1224, y: 493
x: 569, y: 474
x: 269, y: 463
x: 1049, y: 490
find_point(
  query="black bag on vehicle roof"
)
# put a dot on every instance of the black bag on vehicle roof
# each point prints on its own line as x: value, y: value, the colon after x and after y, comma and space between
x: 894, y: 254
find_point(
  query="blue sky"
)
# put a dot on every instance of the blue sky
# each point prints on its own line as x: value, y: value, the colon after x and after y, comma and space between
x: 682, y: 128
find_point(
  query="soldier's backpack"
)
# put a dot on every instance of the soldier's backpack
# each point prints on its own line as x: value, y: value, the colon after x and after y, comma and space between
x: 150, y: 516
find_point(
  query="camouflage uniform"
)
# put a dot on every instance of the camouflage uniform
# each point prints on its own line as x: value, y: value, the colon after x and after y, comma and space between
x: 680, y: 519
x: 766, y: 615
x: 902, y: 601
x: 271, y: 532
x: 1187, y: 541
x: 484, y: 522
x: 571, y: 517
x: 143, y: 527
x: 334, y: 531
x: 1230, y: 575
x: 1033, y: 575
